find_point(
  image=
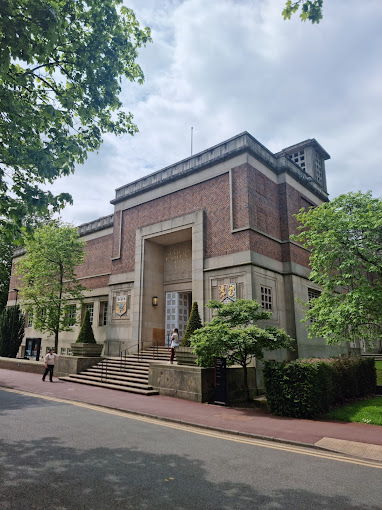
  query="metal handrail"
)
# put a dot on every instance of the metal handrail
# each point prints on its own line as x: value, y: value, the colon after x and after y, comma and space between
x: 123, y: 354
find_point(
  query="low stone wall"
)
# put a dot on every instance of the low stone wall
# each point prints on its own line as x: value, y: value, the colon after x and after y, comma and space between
x: 196, y: 383
x: 64, y: 365
x: 22, y: 365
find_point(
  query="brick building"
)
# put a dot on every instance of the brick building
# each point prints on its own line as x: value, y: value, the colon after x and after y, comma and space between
x: 218, y: 220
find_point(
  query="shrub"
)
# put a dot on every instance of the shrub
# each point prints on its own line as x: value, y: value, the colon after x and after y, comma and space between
x: 86, y: 335
x: 307, y: 388
x: 193, y: 324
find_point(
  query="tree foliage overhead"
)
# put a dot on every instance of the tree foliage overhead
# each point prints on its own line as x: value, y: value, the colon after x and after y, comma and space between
x: 345, y: 239
x: 235, y: 335
x: 310, y: 9
x: 48, y: 277
x: 11, y: 236
x: 61, y: 67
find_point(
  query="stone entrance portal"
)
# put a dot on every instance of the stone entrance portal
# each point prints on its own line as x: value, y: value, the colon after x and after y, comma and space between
x: 177, y: 312
x: 169, y: 265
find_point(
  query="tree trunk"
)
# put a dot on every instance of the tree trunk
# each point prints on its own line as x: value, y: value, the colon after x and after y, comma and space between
x: 245, y: 372
x: 56, y: 341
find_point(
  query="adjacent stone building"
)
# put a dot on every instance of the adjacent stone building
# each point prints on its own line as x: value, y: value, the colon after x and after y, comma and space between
x: 215, y: 225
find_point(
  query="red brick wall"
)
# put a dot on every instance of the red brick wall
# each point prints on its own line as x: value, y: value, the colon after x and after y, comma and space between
x: 264, y: 203
x: 97, y: 257
x: 256, y: 201
x: 240, y: 196
x: 211, y: 196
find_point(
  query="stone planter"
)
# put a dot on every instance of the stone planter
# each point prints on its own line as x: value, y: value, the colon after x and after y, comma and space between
x: 86, y: 350
x: 185, y: 356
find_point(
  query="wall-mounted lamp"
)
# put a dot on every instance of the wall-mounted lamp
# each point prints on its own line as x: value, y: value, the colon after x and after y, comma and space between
x: 155, y: 301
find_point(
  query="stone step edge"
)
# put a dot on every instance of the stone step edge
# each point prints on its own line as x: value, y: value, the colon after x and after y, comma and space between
x: 144, y: 380
x: 111, y: 386
x: 138, y: 375
x: 132, y: 384
x: 133, y: 368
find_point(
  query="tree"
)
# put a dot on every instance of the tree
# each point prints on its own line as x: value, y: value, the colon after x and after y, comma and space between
x: 86, y: 335
x: 310, y: 9
x: 345, y: 239
x: 7, y: 245
x: 234, y: 334
x: 12, y: 324
x: 11, y: 237
x: 61, y: 67
x: 193, y: 324
x: 48, y: 277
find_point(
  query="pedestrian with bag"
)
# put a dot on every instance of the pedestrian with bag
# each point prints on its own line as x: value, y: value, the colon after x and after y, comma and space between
x: 50, y: 359
x: 174, y: 343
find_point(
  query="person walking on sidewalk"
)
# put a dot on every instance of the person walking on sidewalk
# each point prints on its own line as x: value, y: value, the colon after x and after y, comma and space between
x: 174, y: 343
x: 50, y: 359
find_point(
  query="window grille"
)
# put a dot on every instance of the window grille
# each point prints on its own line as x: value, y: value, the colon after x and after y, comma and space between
x: 266, y: 298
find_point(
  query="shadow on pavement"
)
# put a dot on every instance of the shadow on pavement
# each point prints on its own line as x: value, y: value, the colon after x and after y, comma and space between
x: 45, y: 473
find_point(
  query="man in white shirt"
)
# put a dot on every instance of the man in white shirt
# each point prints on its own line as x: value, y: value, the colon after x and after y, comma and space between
x: 50, y: 358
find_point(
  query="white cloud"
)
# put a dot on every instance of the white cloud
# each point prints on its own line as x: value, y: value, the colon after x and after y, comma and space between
x: 227, y: 66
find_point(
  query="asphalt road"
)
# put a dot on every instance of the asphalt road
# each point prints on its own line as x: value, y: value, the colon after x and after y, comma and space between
x: 66, y: 457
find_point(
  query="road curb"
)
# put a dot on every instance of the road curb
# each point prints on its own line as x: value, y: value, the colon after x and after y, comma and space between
x: 189, y: 423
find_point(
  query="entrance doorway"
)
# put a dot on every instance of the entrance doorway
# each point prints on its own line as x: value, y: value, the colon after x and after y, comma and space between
x: 178, y: 305
x: 32, y: 348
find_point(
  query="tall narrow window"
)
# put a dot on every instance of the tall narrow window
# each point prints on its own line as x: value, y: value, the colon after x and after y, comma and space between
x: 266, y: 298
x: 313, y: 294
x: 90, y: 307
x: 103, y: 313
x: 72, y: 310
x: 30, y: 320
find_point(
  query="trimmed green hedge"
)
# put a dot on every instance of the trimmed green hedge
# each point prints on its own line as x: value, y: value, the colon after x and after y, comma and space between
x: 308, y: 388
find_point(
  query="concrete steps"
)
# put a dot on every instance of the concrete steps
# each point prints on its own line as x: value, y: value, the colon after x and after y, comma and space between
x: 130, y: 373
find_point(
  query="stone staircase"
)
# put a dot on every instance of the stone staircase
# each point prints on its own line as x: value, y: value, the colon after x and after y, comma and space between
x: 130, y: 373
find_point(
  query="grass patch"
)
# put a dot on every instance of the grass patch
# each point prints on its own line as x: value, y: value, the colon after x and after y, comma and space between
x: 378, y: 366
x: 362, y: 411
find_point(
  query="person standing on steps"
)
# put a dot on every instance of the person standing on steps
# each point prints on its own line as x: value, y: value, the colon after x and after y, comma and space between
x: 50, y: 359
x: 174, y: 343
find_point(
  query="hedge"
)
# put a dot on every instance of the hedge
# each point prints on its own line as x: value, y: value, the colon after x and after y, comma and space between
x: 308, y: 388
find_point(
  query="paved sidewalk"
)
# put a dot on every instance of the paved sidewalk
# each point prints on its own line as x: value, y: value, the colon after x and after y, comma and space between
x: 352, y: 438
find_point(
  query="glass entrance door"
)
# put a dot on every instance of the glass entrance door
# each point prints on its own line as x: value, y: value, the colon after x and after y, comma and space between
x: 177, y: 312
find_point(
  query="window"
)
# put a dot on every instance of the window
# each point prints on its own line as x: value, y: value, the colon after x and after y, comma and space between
x: 298, y: 158
x: 318, y: 168
x: 313, y: 294
x: 90, y: 308
x: 30, y: 320
x: 72, y: 312
x: 103, y: 314
x: 266, y: 298
x: 63, y: 351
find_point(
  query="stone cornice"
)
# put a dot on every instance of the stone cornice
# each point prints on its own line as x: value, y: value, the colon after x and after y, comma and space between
x: 239, y: 144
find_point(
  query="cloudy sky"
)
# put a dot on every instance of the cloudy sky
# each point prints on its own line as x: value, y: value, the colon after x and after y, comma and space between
x: 227, y: 66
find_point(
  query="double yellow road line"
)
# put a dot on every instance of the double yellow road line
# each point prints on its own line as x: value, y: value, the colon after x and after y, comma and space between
x: 300, y: 450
